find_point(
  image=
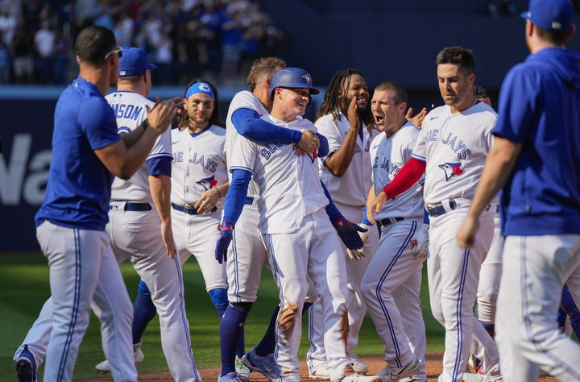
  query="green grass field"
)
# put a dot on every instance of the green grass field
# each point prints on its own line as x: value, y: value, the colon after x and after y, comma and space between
x: 24, y: 287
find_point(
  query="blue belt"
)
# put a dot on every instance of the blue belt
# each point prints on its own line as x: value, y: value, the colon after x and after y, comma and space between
x: 249, y: 201
x: 438, y: 209
x: 189, y: 211
x: 135, y: 207
x: 387, y: 221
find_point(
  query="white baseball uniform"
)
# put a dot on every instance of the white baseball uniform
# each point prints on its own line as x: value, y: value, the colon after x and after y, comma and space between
x: 394, y: 267
x: 247, y: 254
x: 136, y: 235
x: 199, y: 164
x: 454, y: 147
x: 349, y: 193
x: 302, y: 244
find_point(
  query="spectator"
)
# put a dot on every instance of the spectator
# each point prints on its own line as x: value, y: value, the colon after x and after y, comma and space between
x: 44, y: 48
x: 4, y: 61
x: 7, y: 26
x: 23, y: 53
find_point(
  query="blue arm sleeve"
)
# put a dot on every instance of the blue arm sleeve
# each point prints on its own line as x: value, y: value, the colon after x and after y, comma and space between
x: 248, y: 123
x: 331, y: 210
x: 159, y: 166
x: 324, y: 147
x: 236, y: 196
x: 365, y: 220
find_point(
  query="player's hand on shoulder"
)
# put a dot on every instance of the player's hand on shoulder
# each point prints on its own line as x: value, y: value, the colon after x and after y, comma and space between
x: 420, y: 242
x: 221, y: 247
x: 353, y: 114
x: 309, y: 143
x: 163, y: 114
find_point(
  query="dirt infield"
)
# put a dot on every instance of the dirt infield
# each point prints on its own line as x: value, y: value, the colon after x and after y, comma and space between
x: 433, y: 370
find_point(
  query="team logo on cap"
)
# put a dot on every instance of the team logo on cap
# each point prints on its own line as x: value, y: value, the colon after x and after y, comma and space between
x: 451, y: 169
x: 204, y: 87
x: 122, y: 72
x: 308, y: 79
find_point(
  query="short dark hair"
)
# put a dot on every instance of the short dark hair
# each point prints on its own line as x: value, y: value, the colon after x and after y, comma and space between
x: 557, y: 37
x: 215, y: 118
x: 399, y: 92
x: 480, y: 92
x: 457, y: 55
x: 263, y: 66
x: 93, y: 44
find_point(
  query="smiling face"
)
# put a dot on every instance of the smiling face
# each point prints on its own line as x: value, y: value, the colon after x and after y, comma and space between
x: 456, y: 86
x: 290, y: 103
x: 355, y: 87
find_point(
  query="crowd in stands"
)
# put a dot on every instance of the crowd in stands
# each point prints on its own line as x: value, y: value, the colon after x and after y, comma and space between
x: 214, y: 39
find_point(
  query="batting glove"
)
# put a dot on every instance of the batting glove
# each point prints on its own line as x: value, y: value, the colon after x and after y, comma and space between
x: 349, y: 233
x: 420, y: 242
x: 221, y: 247
x: 358, y: 254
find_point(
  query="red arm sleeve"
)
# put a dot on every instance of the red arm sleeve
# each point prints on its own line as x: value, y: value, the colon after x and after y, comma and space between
x: 407, y: 176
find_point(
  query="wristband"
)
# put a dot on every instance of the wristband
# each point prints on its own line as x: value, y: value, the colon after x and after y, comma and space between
x: 145, y: 124
x: 219, y: 193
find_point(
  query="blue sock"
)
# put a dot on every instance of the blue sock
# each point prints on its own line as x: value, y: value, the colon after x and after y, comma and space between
x: 143, y: 312
x: 570, y: 308
x: 219, y: 297
x: 241, y: 349
x: 489, y: 328
x: 231, y: 329
x: 268, y: 343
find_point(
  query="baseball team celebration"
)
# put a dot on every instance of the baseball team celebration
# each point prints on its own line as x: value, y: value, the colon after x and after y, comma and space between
x: 343, y: 203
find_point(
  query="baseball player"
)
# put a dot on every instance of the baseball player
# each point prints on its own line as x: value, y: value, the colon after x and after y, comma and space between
x: 451, y: 149
x: 143, y: 234
x: 491, y: 268
x: 538, y: 123
x: 198, y: 182
x: 71, y: 221
x: 247, y: 253
x: 392, y: 282
x: 345, y: 119
x: 289, y: 217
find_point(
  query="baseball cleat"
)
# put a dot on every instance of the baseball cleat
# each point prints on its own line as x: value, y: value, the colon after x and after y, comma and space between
x: 266, y: 366
x: 26, y: 366
x: 230, y: 377
x: 392, y: 374
x: 357, y: 365
x: 242, y: 369
x: 322, y: 371
x: 360, y: 378
x: 104, y: 367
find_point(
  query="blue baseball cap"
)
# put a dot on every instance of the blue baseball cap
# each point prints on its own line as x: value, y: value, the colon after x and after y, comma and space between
x: 292, y: 78
x: 551, y: 14
x: 133, y: 62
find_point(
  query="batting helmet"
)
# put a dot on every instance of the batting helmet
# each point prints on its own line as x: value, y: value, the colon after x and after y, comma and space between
x: 292, y: 78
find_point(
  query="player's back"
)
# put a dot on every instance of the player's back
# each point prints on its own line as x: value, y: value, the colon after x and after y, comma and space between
x: 130, y: 110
